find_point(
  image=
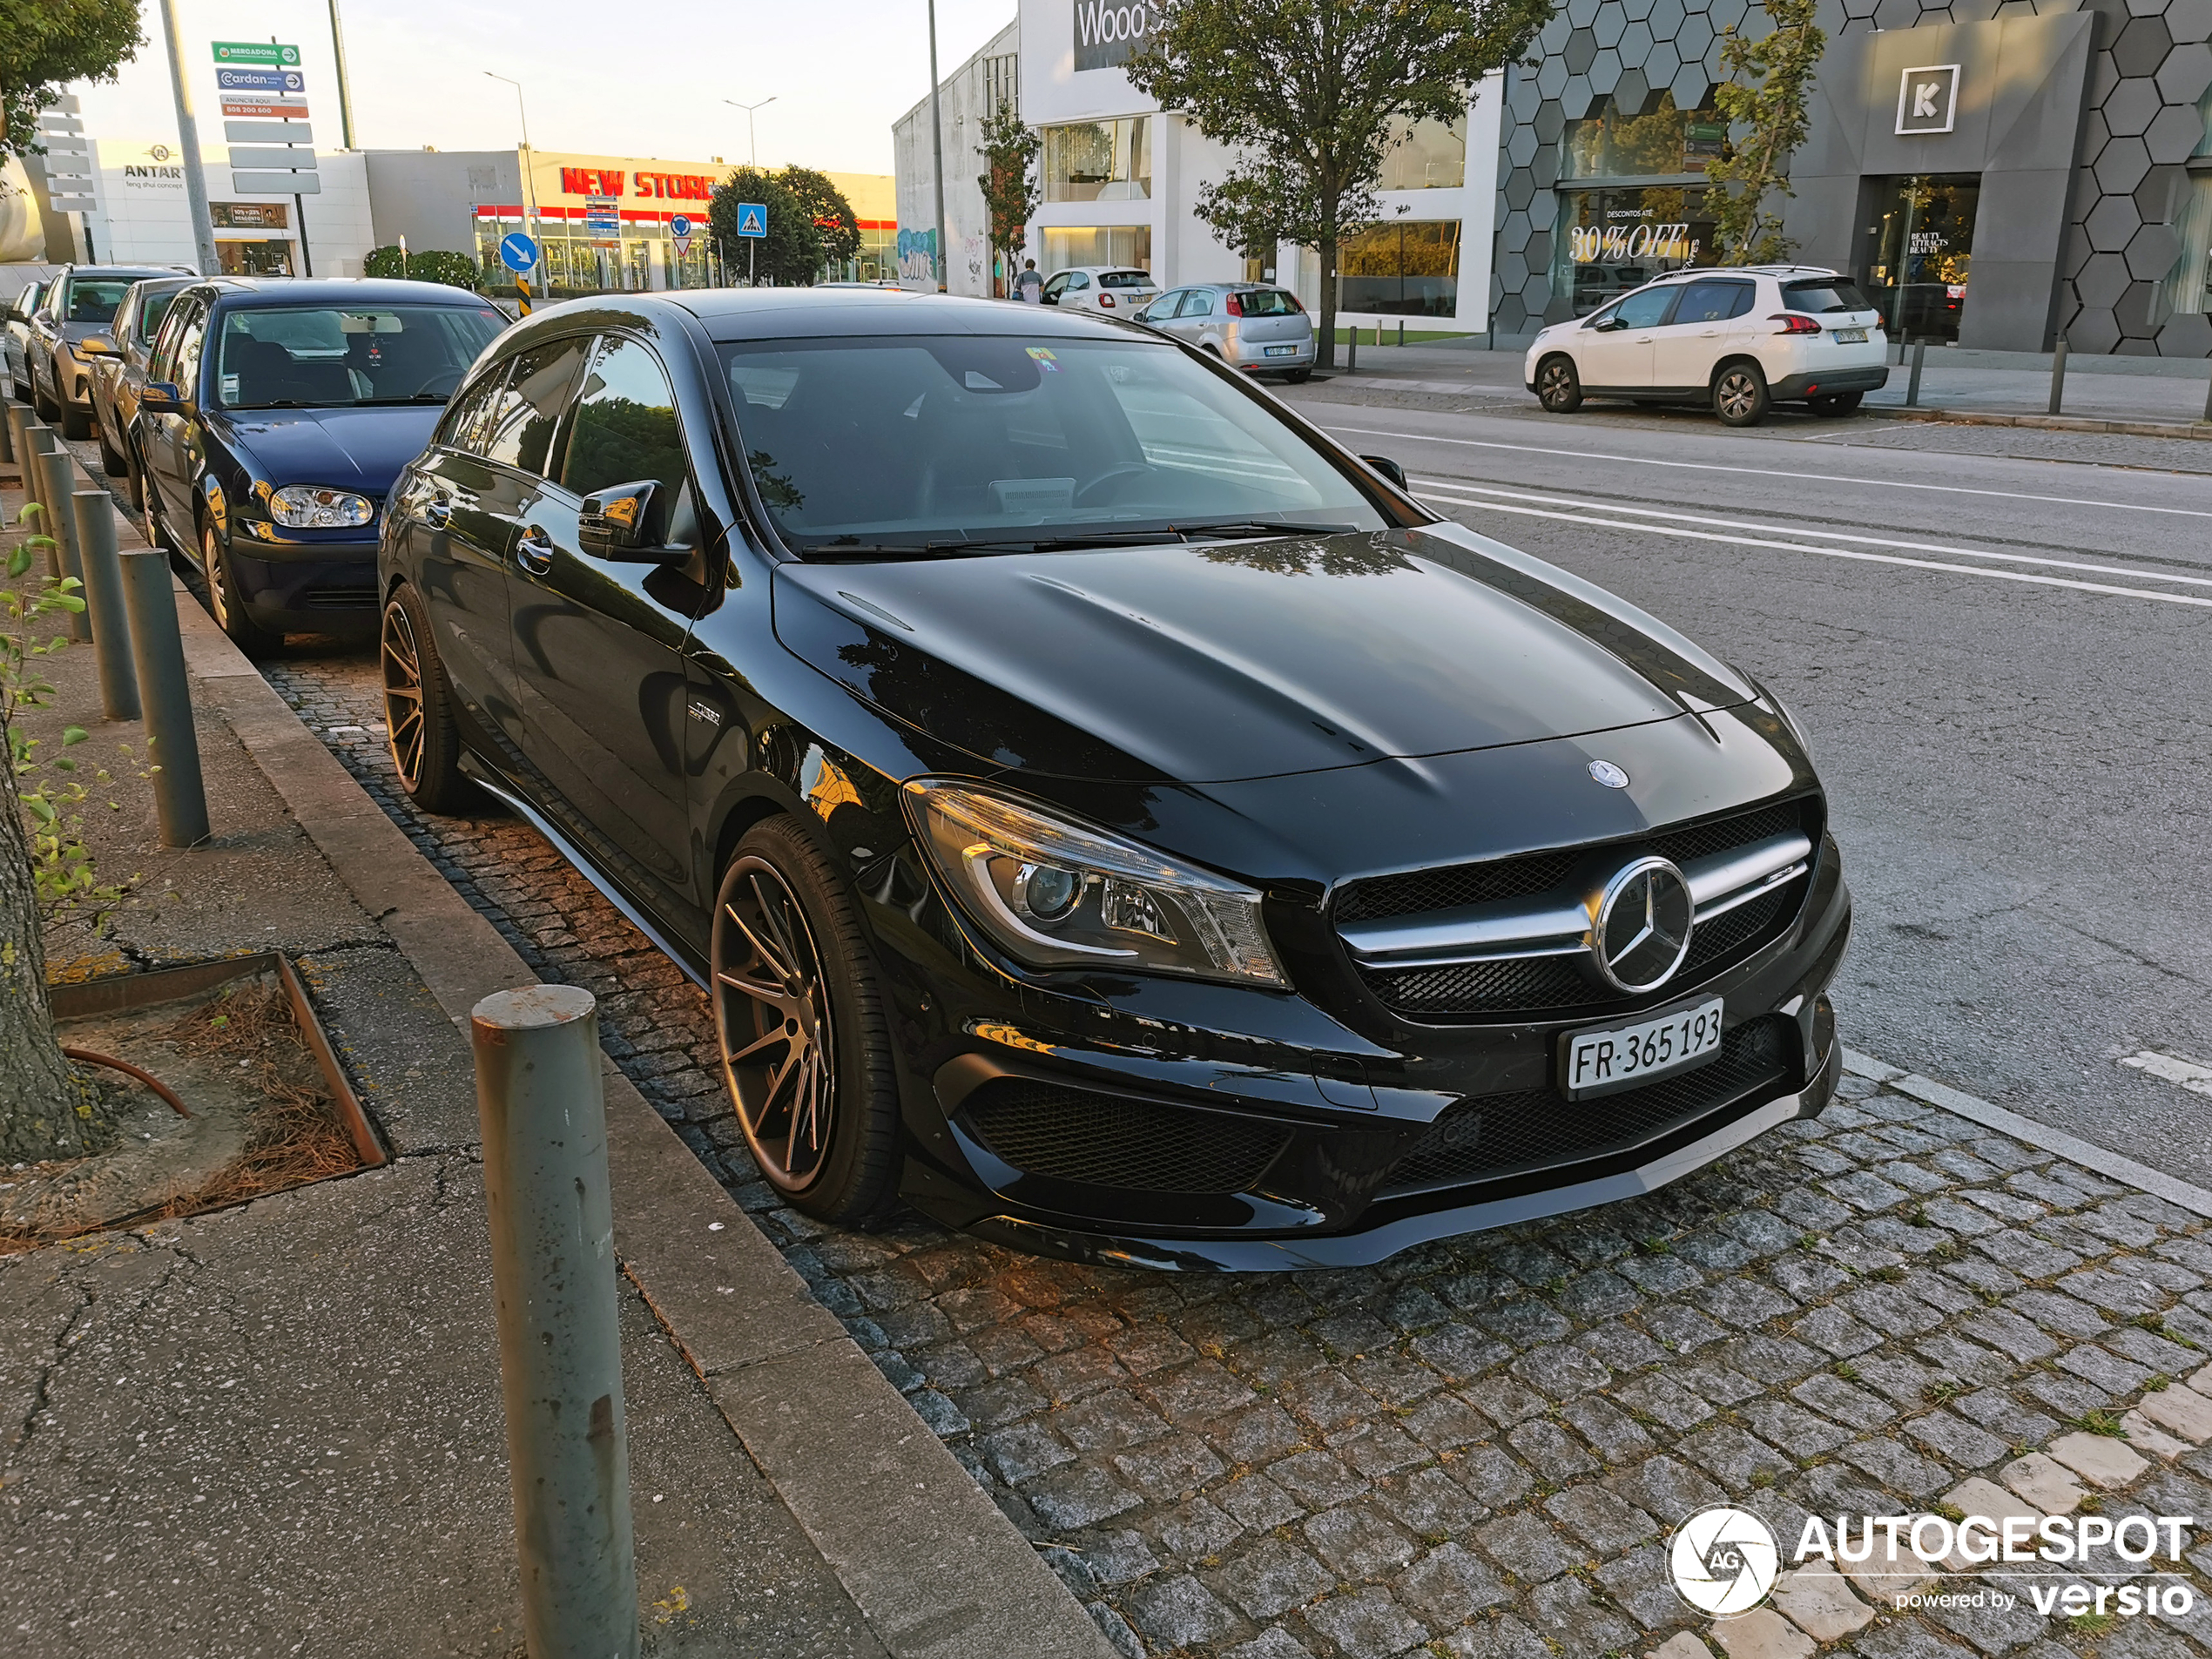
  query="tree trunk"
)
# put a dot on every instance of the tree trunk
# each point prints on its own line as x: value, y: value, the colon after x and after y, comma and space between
x: 1325, y: 356
x: 46, y: 1110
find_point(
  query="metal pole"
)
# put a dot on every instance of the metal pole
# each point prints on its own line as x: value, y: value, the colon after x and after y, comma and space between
x: 542, y: 1120
x: 8, y: 413
x: 1913, y: 386
x: 58, y: 481
x: 1351, y: 348
x: 937, y: 152
x: 2058, y: 375
x: 2207, y: 401
x: 97, y: 550
x: 345, y: 87
x: 203, y: 224
x: 36, y: 441
x: 172, y: 742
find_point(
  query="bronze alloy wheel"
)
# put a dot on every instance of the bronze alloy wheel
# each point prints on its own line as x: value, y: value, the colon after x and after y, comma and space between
x: 772, y: 1011
x: 402, y: 662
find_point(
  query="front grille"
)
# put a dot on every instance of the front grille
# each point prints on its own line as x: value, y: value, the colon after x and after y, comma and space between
x: 1556, y: 984
x: 1498, y: 1135
x: 361, y: 598
x: 1451, y: 885
x: 1108, y: 1141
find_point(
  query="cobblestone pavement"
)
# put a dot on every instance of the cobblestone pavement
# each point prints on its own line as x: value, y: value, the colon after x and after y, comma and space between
x: 1480, y: 1447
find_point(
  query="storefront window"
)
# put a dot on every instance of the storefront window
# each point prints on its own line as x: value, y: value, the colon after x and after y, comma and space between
x: 1609, y: 241
x: 2188, y: 287
x: 1098, y: 161
x: 255, y: 259
x: 1071, y: 244
x: 250, y: 216
x: 1433, y: 157
x: 1663, y: 144
x: 1401, y: 269
x: 1919, y: 241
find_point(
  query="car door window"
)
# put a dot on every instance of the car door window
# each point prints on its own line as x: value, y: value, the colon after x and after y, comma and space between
x: 151, y: 311
x: 469, y: 418
x: 1078, y: 280
x: 1163, y: 308
x: 526, y: 422
x: 1054, y: 289
x: 1200, y: 304
x: 1712, y: 301
x: 1647, y: 307
x: 625, y: 427
x: 190, y: 338
x: 162, y: 363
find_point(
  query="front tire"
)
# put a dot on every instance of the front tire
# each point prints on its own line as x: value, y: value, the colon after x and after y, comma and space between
x: 113, y: 462
x: 418, y: 708
x: 806, y: 1045
x: 226, y: 603
x: 1740, y: 395
x: 1836, y: 405
x: 1559, y: 388
x: 76, y: 424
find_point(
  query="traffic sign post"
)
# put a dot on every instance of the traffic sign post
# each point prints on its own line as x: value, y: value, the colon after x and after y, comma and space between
x: 274, y: 157
x: 603, y: 218
x: 272, y: 83
x: 518, y: 253
x: 752, y: 224
x: 259, y: 54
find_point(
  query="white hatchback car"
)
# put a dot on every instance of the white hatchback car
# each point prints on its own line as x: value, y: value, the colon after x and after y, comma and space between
x: 1115, y: 289
x: 1739, y: 339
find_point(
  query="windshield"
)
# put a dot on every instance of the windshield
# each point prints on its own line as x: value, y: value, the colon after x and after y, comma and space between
x: 94, y: 298
x: 914, y: 443
x: 1829, y: 293
x: 331, y: 357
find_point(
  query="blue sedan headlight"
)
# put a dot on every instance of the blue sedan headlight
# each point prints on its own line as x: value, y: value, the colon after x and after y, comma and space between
x: 314, y: 507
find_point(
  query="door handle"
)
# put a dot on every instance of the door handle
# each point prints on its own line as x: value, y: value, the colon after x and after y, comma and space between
x: 533, y: 553
x: 437, y: 514
x: 1710, y: 334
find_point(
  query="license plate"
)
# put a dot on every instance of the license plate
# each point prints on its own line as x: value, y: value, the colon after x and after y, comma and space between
x: 1850, y: 336
x: 1291, y: 351
x: 1605, y: 1058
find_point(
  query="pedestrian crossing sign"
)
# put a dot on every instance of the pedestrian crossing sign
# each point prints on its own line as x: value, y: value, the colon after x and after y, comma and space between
x: 752, y: 219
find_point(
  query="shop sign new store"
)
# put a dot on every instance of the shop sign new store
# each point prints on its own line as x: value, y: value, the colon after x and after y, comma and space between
x: 659, y: 186
x: 1109, y: 32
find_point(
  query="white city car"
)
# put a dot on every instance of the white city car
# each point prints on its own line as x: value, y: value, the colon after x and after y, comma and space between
x: 1739, y: 339
x: 1117, y: 290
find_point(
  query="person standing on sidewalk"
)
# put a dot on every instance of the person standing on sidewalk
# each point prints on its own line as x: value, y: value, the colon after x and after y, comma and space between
x: 1028, y: 287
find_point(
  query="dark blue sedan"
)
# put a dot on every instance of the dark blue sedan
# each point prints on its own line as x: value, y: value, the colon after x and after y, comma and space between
x: 276, y: 415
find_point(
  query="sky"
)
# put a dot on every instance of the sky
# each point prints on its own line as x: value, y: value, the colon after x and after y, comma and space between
x: 617, y: 79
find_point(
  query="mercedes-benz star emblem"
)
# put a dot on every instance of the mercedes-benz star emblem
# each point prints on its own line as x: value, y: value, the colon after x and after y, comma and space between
x: 1609, y: 774
x: 1641, y: 925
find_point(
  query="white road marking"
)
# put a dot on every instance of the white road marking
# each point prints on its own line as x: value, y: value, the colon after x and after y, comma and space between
x: 1848, y: 553
x: 2193, y: 1077
x: 1769, y: 472
x: 1433, y: 488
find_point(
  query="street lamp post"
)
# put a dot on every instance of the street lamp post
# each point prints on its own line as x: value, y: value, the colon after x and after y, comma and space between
x: 530, y: 187
x: 203, y: 224
x: 752, y: 141
x: 937, y: 151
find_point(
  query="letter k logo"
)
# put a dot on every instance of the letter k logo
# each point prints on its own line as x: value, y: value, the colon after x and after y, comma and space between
x: 1924, y: 96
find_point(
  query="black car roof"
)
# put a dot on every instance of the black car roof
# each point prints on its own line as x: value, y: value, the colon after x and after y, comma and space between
x: 337, y: 291
x: 138, y: 272
x: 788, y: 313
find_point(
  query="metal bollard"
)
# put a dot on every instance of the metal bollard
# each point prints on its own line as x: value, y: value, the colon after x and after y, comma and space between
x: 1401, y: 332
x: 542, y: 1116
x: 1912, y: 386
x: 7, y: 445
x: 103, y: 562
x: 36, y: 439
x: 2207, y: 401
x: 172, y: 742
x: 2058, y: 376
x: 57, y: 482
x: 1352, y: 349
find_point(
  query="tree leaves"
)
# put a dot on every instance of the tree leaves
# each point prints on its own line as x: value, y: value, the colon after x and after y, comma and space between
x: 46, y: 43
x: 810, y: 223
x: 1768, y: 113
x: 1011, y: 189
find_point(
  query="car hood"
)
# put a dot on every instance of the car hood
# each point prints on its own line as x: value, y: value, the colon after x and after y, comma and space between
x: 1243, y: 659
x: 358, y: 449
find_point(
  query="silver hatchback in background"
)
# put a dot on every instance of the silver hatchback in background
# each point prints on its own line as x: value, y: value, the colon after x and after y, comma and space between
x: 1252, y: 326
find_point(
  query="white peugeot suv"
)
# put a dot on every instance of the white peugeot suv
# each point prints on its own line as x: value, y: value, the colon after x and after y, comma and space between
x: 1740, y: 339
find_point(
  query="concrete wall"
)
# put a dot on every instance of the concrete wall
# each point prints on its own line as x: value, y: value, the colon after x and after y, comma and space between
x: 961, y: 95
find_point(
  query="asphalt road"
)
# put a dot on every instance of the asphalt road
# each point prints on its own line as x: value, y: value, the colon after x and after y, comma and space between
x: 2002, y: 660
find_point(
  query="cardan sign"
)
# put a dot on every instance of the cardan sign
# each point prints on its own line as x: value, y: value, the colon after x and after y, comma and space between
x: 1111, y: 31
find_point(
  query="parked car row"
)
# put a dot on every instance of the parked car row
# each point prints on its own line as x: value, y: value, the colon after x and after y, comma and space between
x: 1104, y: 811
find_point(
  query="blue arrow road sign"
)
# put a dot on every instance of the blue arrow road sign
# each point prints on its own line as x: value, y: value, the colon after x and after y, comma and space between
x: 752, y: 219
x: 517, y: 252
x: 260, y: 80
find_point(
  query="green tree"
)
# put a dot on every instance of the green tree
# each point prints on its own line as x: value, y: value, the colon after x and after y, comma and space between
x: 1009, y: 182
x: 832, y: 215
x: 45, y: 45
x: 1306, y: 92
x: 1764, y: 102
x: 425, y: 265
x: 792, y: 254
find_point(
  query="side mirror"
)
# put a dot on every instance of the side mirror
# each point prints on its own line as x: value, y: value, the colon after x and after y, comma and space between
x: 160, y: 397
x: 1389, y: 469
x: 96, y: 346
x: 617, y: 525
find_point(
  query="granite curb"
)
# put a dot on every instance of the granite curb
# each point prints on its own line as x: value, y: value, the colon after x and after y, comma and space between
x: 934, y: 1567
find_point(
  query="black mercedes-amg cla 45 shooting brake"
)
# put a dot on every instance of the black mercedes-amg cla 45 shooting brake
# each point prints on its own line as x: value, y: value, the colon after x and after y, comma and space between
x: 1105, y: 813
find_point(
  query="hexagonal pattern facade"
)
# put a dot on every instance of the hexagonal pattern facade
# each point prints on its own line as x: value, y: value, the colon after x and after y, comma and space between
x: 2152, y: 62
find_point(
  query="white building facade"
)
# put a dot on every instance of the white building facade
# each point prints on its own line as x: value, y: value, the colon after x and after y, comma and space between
x: 1120, y: 176
x: 142, y: 218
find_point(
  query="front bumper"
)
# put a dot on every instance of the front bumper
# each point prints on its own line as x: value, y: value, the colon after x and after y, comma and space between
x: 1181, y: 1125
x: 307, y: 587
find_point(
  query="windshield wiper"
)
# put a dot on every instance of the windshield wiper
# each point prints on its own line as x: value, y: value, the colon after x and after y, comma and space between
x: 1256, y: 527
x: 415, y: 397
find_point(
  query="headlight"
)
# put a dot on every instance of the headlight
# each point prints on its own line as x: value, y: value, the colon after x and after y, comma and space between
x: 311, y: 507
x: 1054, y: 894
x: 1796, y: 727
